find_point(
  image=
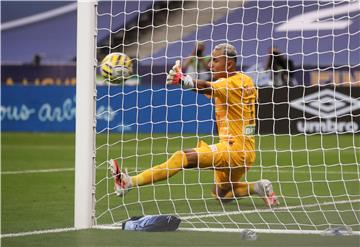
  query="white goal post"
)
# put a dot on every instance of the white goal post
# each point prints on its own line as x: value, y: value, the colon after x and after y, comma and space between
x: 85, y: 115
x: 302, y: 57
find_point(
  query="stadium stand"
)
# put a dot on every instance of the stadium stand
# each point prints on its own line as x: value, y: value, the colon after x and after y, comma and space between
x: 45, y: 28
x: 21, y: 42
x: 252, y: 31
x: 44, y: 33
x: 48, y: 28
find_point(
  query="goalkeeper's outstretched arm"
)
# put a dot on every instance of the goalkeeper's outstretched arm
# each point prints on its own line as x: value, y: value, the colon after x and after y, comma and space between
x: 203, y: 87
x: 222, y: 65
x: 176, y: 77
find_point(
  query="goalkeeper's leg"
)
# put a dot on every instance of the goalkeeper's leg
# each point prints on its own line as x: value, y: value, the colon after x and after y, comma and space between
x: 178, y: 161
x: 226, y: 191
x: 201, y: 156
x: 169, y: 168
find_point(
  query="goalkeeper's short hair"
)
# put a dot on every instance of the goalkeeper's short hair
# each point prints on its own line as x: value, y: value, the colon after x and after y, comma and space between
x: 228, y: 50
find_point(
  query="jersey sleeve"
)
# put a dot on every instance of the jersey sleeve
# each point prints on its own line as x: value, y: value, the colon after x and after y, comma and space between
x: 220, y: 88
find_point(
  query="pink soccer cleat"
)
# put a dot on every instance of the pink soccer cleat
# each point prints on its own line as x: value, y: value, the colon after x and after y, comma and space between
x: 264, y: 189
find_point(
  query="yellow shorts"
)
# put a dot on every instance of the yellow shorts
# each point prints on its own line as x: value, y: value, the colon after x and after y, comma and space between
x: 230, y: 161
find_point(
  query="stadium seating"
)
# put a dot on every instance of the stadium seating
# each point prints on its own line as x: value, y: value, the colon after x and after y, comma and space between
x: 21, y: 43
x: 255, y: 28
x: 54, y: 37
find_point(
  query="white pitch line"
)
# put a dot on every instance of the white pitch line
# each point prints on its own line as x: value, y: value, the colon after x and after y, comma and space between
x: 37, y: 171
x: 231, y: 230
x: 271, y: 231
x: 22, y: 234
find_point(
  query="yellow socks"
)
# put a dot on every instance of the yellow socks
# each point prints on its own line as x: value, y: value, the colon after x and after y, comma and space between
x: 163, y: 171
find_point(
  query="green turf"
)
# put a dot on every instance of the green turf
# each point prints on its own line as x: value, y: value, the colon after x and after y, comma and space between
x: 36, y: 201
x: 95, y: 238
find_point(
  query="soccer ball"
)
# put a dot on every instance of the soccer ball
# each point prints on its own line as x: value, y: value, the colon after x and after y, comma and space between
x: 116, y: 67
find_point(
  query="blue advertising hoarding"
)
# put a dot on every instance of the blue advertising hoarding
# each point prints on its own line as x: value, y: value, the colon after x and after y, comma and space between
x: 128, y: 109
x: 315, y: 109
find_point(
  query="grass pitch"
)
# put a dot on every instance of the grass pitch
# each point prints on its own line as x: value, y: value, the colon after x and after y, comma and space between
x: 37, y: 185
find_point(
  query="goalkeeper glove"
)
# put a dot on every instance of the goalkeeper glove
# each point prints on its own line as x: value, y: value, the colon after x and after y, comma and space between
x: 175, y: 77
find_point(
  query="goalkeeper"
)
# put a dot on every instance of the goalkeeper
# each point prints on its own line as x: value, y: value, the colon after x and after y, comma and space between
x: 234, y: 96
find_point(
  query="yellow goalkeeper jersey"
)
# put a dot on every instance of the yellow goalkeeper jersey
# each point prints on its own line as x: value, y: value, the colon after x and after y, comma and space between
x: 235, y: 98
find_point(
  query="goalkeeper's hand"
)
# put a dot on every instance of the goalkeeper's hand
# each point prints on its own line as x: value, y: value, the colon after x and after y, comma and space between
x: 175, y: 77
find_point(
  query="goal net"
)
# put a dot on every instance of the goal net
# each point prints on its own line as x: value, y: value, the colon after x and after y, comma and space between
x: 303, y: 57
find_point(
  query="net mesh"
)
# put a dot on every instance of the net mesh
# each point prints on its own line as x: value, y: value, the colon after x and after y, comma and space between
x: 304, y: 59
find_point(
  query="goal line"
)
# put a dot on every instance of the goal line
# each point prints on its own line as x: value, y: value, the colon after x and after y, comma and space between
x: 287, y: 231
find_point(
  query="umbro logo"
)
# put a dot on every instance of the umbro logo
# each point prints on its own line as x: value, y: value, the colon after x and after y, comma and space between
x: 326, y: 103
